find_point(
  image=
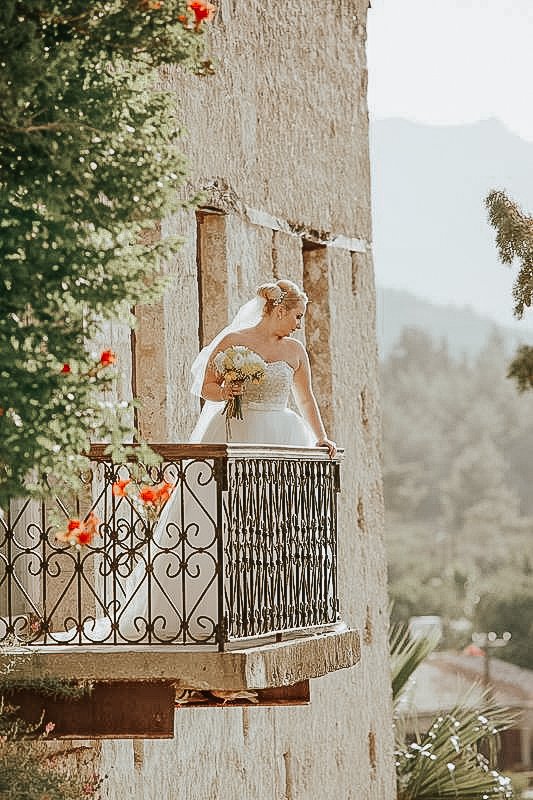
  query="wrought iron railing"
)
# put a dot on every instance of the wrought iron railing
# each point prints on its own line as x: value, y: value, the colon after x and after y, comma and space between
x: 245, y: 547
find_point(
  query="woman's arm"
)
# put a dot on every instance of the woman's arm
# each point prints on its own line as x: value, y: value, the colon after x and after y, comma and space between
x: 306, y: 401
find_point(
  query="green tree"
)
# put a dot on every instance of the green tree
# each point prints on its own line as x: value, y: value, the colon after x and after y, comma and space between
x: 89, y: 162
x: 457, y: 445
x: 415, y: 378
x: 514, y: 240
x: 475, y: 474
x: 505, y: 605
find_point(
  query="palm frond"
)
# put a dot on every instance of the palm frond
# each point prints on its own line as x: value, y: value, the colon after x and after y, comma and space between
x: 407, y: 653
x: 455, y: 758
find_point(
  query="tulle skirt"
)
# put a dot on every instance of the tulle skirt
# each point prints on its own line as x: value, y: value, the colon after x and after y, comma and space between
x: 261, y: 424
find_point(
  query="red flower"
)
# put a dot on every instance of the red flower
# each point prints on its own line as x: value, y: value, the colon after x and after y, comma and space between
x: 148, y: 494
x: 107, y: 358
x: 73, y: 524
x: 119, y: 488
x: 84, y: 537
x: 66, y: 368
x: 202, y: 10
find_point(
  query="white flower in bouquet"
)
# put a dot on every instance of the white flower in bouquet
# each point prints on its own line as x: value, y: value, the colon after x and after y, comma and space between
x: 238, y: 364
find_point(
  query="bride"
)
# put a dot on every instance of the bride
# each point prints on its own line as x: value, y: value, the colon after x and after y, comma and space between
x: 161, y: 592
x: 263, y: 325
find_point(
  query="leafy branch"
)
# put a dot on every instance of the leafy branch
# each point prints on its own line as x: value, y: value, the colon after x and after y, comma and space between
x: 514, y: 240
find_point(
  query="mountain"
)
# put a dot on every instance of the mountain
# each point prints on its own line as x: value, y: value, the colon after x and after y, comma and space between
x: 464, y: 330
x: 431, y: 234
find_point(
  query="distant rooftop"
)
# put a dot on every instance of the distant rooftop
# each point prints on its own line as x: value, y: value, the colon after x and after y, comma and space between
x: 444, y: 676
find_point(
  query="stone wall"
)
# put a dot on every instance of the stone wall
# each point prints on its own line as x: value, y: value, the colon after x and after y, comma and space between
x: 278, y: 138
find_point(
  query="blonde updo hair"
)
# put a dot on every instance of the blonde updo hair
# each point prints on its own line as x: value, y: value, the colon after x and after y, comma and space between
x: 281, y: 293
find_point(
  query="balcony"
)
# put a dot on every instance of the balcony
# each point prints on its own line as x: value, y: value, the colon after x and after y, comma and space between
x: 234, y: 587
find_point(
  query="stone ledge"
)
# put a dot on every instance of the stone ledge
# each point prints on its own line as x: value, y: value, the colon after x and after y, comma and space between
x: 258, y: 667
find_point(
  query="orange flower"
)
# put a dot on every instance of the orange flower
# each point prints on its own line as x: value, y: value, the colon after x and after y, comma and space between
x: 119, y: 488
x: 148, y: 494
x: 91, y: 524
x: 66, y: 368
x: 72, y: 532
x: 164, y: 490
x: 202, y: 10
x: 79, y: 533
x: 107, y: 358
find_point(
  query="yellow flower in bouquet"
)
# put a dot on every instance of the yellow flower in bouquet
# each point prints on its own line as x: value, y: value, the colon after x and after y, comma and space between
x: 238, y: 364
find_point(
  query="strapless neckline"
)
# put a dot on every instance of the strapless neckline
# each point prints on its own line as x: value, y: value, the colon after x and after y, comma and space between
x: 276, y: 361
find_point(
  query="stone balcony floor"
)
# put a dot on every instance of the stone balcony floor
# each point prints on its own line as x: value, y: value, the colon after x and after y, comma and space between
x: 259, y: 665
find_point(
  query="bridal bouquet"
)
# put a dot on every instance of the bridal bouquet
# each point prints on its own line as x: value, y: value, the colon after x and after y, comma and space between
x: 238, y: 364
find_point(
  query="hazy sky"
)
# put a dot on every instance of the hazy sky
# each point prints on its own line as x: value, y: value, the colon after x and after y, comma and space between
x: 452, y: 61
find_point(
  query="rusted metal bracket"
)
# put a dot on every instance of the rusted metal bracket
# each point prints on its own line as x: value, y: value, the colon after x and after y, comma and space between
x: 112, y: 710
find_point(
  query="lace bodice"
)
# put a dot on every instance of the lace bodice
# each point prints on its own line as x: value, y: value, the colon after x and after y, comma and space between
x: 273, y: 391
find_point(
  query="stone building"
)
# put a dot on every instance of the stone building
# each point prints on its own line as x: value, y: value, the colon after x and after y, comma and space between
x: 277, y: 140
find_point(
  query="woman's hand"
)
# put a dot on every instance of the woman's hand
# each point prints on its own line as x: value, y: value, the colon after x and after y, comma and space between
x: 332, y: 447
x: 231, y: 389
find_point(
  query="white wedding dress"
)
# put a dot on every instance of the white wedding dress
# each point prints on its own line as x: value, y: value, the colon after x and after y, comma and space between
x: 178, y: 590
x: 266, y: 416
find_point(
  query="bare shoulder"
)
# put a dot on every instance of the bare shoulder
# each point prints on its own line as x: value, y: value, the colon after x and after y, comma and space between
x: 297, y: 352
x: 226, y: 341
x: 230, y: 339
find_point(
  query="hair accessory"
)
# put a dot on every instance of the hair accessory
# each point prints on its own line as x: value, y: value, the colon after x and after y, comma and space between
x: 280, y: 298
x: 274, y: 294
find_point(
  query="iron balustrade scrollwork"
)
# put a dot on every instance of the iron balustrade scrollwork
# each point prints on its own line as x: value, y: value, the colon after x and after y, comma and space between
x: 245, y: 547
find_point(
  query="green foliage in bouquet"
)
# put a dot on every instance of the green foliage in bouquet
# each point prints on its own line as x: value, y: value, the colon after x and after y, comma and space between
x: 89, y: 165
